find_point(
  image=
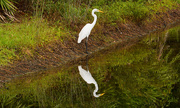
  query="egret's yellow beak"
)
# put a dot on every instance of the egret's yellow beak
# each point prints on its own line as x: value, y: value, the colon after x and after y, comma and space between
x: 100, y: 11
x: 102, y: 94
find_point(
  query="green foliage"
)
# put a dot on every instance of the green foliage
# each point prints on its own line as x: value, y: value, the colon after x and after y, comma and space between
x: 7, y: 5
x: 7, y: 9
x: 22, y: 38
x: 74, y: 12
x: 135, y: 11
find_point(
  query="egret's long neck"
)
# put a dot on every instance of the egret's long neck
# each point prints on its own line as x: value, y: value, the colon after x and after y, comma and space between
x: 96, y: 89
x: 95, y: 18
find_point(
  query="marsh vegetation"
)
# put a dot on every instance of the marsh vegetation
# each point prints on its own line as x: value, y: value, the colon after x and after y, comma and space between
x: 44, y: 22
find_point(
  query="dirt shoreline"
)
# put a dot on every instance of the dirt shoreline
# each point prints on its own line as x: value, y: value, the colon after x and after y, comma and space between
x: 102, y: 37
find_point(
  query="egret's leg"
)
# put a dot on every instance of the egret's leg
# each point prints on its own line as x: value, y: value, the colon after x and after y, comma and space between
x: 87, y: 62
x: 86, y: 45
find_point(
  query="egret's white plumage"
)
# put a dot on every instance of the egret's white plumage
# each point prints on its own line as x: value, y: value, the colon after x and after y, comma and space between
x: 86, y: 30
x: 86, y: 75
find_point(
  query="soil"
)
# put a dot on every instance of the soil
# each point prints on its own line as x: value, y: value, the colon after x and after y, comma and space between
x: 58, y: 53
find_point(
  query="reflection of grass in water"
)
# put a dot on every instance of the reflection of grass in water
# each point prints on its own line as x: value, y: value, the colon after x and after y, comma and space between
x: 175, y: 33
x: 142, y: 83
x: 142, y: 80
x: 61, y: 89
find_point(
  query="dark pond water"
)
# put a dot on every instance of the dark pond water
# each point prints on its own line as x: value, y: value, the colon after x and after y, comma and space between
x: 144, y: 74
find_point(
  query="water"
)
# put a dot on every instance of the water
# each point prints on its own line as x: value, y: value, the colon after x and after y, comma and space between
x: 143, y: 74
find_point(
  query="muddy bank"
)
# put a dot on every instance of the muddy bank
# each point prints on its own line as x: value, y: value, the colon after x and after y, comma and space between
x: 102, y: 36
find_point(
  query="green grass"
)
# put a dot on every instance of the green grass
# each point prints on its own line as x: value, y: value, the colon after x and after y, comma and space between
x: 22, y: 38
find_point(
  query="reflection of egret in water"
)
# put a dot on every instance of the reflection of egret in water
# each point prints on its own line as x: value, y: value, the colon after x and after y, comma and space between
x: 86, y: 75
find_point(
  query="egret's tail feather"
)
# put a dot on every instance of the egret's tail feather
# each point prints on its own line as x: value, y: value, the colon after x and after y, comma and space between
x: 79, y: 40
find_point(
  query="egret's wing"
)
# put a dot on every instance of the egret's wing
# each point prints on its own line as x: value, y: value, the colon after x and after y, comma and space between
x: 86, y: 75
x: 84, y: 32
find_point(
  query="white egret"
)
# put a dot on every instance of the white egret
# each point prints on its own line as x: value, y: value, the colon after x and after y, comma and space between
x: 86, y: 75
x: 86, y: 30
